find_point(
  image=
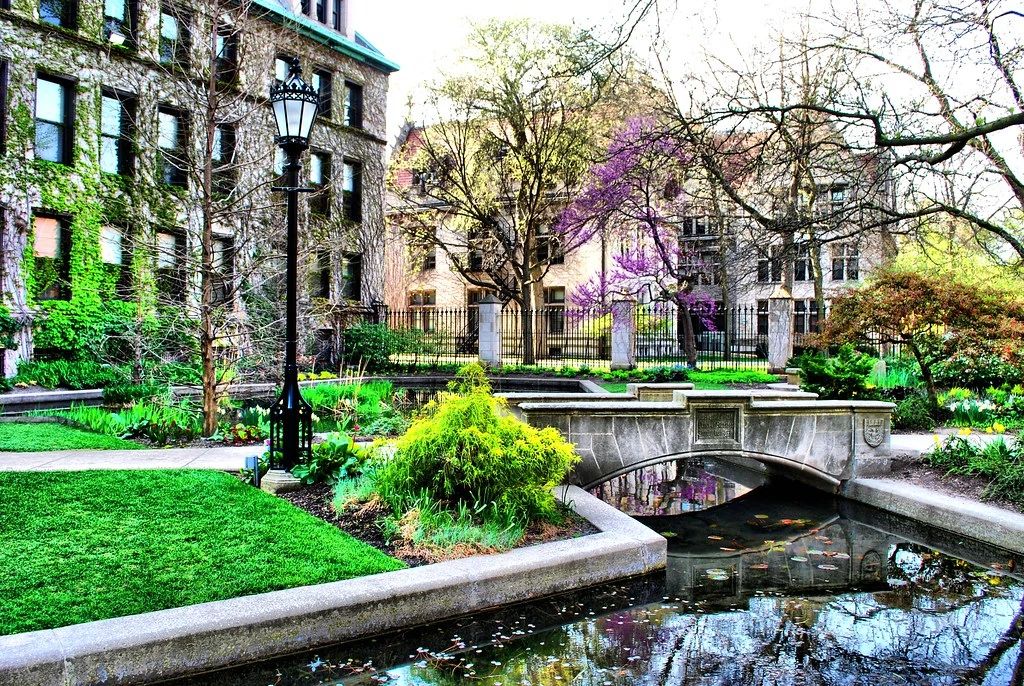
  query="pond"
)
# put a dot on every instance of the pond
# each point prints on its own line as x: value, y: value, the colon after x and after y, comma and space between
x: 778, y: 585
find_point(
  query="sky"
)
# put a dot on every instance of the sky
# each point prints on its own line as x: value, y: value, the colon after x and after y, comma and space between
x: 423, y: 36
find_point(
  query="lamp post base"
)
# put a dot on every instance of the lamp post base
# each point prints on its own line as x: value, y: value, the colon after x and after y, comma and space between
x: 279, y: 481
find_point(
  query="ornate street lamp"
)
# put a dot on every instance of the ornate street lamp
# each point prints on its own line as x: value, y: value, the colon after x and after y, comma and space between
x: 295, y: 104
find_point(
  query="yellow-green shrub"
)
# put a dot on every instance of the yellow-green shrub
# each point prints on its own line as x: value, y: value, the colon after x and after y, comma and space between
x: 468, y: 451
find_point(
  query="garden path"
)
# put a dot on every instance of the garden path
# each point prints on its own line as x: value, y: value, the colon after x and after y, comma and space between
x: 225, y: 458
x: 923, y: 442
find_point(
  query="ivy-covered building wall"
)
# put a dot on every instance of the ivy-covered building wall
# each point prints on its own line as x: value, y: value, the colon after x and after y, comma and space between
x: 107, y: 120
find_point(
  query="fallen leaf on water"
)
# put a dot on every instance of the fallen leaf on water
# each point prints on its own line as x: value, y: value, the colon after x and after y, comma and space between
x: 815, y: 552
x: 760, y: 516
x: 797, y: 558
x: 714, y: 538
x: 728, y: 550
x: 842, y: 556
x: 669, y: 534
x: 759, y: 566
x: 828, y: 568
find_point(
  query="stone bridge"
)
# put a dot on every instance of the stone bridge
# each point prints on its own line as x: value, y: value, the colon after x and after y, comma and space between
x: 820, y: 442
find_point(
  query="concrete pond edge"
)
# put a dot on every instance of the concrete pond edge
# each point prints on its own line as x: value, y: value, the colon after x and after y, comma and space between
x: 993, y: 525
x: 189, y: 640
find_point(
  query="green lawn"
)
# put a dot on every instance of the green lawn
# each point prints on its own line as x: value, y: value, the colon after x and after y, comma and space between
x: 81, y: 546
x: 708, y: 380
x: 35, y: 437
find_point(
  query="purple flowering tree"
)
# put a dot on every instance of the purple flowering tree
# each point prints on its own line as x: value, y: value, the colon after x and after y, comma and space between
x: 636, y: 199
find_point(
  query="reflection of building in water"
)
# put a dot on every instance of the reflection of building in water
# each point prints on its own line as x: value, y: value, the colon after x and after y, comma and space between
x: 670, y: 488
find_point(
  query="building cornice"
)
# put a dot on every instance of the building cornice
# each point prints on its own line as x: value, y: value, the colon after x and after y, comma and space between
x: 305, y: 26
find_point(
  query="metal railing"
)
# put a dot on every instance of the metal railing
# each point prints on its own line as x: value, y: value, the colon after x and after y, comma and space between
x: 707, y: 336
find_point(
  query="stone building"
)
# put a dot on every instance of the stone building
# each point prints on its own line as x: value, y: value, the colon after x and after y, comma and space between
x: 735, y: 262
x: 109, y: 113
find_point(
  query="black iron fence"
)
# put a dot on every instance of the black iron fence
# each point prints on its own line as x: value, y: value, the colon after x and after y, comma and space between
x: 556, y: 337
x: 705, y: 336
x: 431, y: 336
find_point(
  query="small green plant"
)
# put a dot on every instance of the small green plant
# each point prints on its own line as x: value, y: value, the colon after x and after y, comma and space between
x: 127, y: 393
x: 996, y: 461
x: 843, y: 376
x: 336, y: 457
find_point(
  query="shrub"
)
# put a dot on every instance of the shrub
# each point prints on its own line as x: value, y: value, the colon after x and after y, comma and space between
x: 913, y: 413
x: 127, y: 393
x: 159, y: 423
x: 976, y: 371
x: 466, y: 451
x: 996, y: 462
x: 71, y: 374
x: 843, y: 376
x: 370, y: 346
x: 9, y: 327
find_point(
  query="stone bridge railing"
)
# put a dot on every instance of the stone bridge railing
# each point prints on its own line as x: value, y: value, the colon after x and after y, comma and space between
x: 821, y: 442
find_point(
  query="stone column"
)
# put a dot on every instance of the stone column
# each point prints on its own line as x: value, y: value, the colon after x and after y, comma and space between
x: 490, y: 330
x: 22, y: 342
x: 623, y: 334
x: 780, y: 329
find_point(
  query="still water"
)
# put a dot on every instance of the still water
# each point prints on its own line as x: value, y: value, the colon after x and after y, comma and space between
x: 765, y: 585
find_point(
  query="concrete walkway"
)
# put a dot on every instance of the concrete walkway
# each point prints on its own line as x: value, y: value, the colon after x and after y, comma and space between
x: 918, y: 443
x: 225, y: 458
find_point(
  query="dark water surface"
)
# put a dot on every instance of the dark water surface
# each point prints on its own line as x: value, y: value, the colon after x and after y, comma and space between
x: 777, y: 585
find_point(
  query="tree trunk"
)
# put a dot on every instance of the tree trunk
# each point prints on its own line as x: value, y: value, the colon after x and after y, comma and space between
x: 814, y: 257
x: 926, y: 374
x: 206, y: 323
x: 689, y: 339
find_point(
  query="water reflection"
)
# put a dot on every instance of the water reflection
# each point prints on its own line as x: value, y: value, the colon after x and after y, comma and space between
x: 774, y: 587
x: 679, y: 486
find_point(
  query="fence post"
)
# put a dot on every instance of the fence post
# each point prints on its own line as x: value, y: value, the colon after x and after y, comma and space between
x: 623, y: 334
x: 489, y: 339
x: 780, y: 329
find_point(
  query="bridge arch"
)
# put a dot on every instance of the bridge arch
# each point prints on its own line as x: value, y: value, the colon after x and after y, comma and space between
x: 773, y: 463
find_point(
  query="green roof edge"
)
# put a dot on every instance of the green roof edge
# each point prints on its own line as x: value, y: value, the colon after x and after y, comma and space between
x: 311, y: 29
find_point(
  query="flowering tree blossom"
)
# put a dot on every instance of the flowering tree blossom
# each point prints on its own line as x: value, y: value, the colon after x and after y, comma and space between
x: 635, y: 199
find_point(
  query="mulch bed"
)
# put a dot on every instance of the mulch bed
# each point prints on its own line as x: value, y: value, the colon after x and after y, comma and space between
x: 916, y: 472
x: 360, y: 522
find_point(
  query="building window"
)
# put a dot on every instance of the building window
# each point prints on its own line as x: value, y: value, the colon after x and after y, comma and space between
x: 805, y: 316
x: 695, y: 226
x: 554, y: 310
x: 58, y: 12
x: 762, y: 317
x: 55, y: 118
x: 845, y: 262
x: 352, y: 190
x: 320, y: 286
x: 321, y: 81
x: 174, y: 39
x: 170, y: 264
x: 320, y: 182
x: 421, y: 309
x: 353, y: 105
x: 769, y: 266
x: 120, y: 18
x: 352, y: 273
x: 223, y: 271
x: 337, y: 15
x: 802, y: 264
x: 473, y: 298
x: 227, y: 55
x: 837, y: 197
x: 115, y: 257
x: 171, y: 138
x: 5, y: 70
x: 52, y: 251
x: 224, y: 177
x: 549, y: 250
x: 426, y: 252
x: 321, y: 11
x: 709, y: 268
x: 282, y: 65
x: 116, y: 114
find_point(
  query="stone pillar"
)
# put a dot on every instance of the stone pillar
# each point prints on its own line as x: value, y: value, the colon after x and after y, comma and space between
x: 780, y: 329
x: 623, y: 334
x: 22, y: 341
x: 490, y: 330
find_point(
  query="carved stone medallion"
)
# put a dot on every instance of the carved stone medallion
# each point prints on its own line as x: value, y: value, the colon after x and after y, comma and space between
x: 874, y: 431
